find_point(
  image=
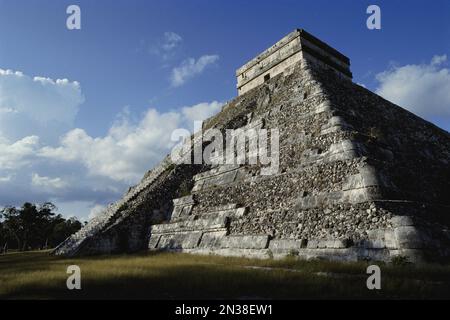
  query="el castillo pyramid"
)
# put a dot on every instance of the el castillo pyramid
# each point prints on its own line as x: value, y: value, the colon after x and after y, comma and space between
x: 358, y: 178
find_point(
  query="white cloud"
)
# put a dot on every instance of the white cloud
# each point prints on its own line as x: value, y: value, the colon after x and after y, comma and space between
x: 201, y: 111
x: 16, y: 155
x: 190, y: 68
x: 80, y: 209
x: 171, y: 41
x: 437, y: 60
x: 424, y: 89
x: 123, y: 153
x: 130, y: 148
x: 47, y: 182
x: 36, y: 105
x: 166, y: 47
x: 8, y: 110
x: 5, y: 179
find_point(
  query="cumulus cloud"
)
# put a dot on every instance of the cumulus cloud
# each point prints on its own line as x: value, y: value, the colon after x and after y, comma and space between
x: 424, y: 89
x: 47, y: 182
x: 36, y: 105
x: 122, y: 153
x: 201, y: 111
x: 190, y: 68
x: 130, y: 148
x: 17, y: 154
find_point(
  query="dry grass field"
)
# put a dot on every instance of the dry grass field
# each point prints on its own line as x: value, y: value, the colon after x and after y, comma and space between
x: 38, y: 275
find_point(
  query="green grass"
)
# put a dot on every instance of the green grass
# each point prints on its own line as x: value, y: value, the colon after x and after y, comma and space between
x: 37, y: 275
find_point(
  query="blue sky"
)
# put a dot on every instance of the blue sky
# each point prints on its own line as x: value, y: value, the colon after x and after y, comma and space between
x: 140, y: 66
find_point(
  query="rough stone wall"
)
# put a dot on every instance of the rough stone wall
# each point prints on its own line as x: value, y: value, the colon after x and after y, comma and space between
x: 411, y: 153
x: 306, y: 169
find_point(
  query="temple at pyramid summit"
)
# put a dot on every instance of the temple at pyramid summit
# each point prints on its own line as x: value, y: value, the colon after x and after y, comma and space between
x: 357, y: 177
x: 292, y: 49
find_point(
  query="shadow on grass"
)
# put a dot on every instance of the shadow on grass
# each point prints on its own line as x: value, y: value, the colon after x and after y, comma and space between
x: 196, y: 283
x: 179, y: 276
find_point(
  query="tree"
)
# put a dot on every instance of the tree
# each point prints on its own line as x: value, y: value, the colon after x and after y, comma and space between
x: 63, y: 229
x: 35, y: 226
x: 12, y: 225
x: 2, y: 235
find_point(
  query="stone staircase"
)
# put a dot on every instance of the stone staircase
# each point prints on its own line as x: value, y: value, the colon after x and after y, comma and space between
x: 206, y: 229
x: 72, y: 244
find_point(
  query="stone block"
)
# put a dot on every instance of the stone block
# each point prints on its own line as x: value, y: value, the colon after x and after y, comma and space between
x: 332, y: 244
x: 180, y: 241
x: 365, y: 178
x: 230, y: 206
x: 312, y: 244
x: 191, y: 240
x: 402, y: 221
x: 379, y: 239
x: 323, y: 107
x: 372, y: 244
x: 390, y: 240
x: 245, y: 242
x: 153, y: 242
x: 340, y: 244
x: 211, y: 239
x: 190, y: 225
x: 408, y: 237
x: 183, y: 201
x: 286, y: 244
x: 241, y: 212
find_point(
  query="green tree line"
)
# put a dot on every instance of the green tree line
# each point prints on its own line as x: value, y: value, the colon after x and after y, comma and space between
x: 33, y: 226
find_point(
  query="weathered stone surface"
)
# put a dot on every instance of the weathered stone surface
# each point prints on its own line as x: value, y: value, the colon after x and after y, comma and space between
x: 215, y: 240
x: 182, y: 207
x: 190, y: 225
x: 409, y: 237
x: 245, y: 242
x: 212, y: 239
x: 390, y: 240
x: 154, y: 240
x: 287, y: 245
x: 402, y: 221
x: 179, y: 241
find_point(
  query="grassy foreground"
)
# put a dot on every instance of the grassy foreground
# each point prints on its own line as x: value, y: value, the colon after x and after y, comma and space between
x: 37, y: 275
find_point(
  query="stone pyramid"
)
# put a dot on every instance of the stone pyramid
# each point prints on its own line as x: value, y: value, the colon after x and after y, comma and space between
x: 358, y: 177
